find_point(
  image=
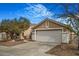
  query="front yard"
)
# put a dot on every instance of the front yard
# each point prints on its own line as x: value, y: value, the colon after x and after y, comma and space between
x: 64, y: 50
x: 33, y: 48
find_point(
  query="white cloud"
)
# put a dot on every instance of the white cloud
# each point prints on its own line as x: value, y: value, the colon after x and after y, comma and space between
x: 38, y: 10
x: 35, y: 12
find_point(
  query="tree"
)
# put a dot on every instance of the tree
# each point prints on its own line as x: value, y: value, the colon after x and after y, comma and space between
x: 14, y: 26
x: 72, y: 18
x: 24, y: 23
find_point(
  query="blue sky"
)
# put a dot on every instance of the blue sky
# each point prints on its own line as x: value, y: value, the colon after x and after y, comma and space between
x: 35, y: 12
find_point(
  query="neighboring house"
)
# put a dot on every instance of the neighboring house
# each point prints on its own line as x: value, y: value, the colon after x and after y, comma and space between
x: 51, y: 31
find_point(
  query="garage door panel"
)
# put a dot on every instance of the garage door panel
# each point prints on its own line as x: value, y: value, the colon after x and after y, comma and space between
x: 49, y: 36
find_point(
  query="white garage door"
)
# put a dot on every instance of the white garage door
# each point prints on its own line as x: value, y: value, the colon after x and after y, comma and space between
x: 54, y: 35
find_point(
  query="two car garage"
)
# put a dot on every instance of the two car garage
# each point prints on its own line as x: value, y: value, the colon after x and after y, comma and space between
x: 51, y: 31
x: 48, y: 35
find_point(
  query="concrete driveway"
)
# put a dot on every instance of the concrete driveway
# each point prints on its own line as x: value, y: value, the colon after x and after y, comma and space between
x: 27, y: 49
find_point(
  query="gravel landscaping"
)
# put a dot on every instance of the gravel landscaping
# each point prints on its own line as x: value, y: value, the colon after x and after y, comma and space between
x: 64, y: 50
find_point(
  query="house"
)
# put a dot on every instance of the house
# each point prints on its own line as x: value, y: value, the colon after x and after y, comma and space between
x: 50, y: 30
